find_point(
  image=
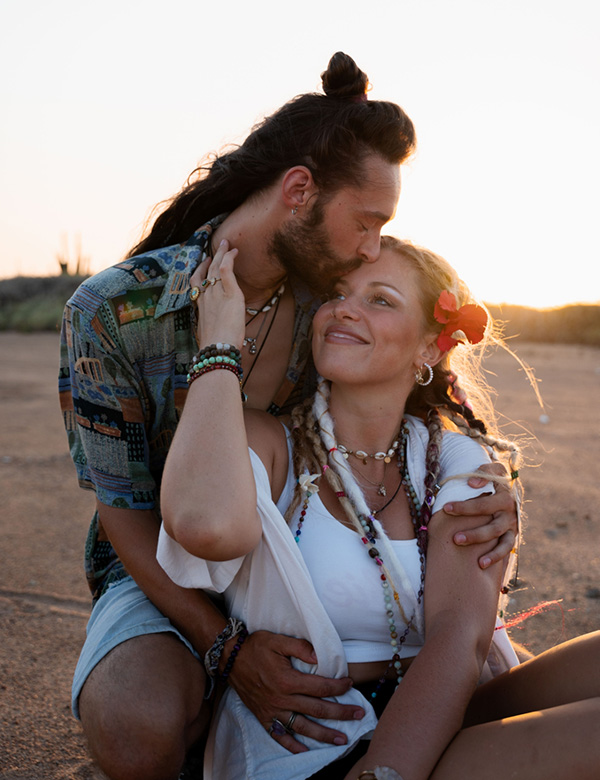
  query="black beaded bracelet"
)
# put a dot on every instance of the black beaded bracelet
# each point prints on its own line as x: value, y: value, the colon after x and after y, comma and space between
x: 236, y: 649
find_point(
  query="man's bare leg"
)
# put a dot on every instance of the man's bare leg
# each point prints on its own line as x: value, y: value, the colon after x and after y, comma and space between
x: 142, y: 708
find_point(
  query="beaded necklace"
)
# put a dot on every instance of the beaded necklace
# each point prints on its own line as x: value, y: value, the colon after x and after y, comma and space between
x: 369, y: 539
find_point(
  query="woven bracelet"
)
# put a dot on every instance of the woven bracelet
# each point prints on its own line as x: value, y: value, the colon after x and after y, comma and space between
x: 213, y: 656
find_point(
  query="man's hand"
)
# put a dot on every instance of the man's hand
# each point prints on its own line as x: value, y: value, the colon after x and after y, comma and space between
x: 270, y: 687
x: 500, y: 510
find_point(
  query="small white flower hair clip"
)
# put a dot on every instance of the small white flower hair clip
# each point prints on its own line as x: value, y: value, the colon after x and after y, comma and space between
x: 307, y: 483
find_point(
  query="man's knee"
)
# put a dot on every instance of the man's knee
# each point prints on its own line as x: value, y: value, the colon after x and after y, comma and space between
x: 142, y: 707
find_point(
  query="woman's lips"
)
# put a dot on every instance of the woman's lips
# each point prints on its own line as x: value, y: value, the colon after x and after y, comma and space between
x: 343, y: 335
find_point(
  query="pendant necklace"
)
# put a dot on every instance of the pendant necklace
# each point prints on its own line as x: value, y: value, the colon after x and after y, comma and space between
x: 386, y: 457
x: 252, y: 341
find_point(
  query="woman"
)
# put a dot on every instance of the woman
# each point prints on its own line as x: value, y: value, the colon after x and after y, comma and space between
x: 348, y: 573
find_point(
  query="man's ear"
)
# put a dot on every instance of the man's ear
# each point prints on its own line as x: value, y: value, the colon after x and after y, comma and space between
x: 297, y: 187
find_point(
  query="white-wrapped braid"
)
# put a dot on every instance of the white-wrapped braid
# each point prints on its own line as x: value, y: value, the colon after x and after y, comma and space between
x: 354, y: 504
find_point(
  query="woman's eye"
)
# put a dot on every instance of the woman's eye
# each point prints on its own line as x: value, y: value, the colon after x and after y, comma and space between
x: 380, y: 300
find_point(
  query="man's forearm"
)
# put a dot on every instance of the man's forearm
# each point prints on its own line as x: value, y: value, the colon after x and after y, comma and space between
x: 134, y: 535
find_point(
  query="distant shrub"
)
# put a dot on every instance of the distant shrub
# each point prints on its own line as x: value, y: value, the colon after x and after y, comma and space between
x: 33, y: 303
x: 578, y: 324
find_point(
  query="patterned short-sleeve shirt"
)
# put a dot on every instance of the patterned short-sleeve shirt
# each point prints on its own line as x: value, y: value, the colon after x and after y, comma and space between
x: 127, y: 343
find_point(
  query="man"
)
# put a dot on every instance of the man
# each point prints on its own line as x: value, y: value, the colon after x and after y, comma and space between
x: 303, y: 200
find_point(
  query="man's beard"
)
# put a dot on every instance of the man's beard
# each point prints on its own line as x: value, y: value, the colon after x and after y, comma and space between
x: 304, y: 249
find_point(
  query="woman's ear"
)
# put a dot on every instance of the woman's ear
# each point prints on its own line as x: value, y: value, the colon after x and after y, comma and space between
x: 430, y: 353
x: 297, y: 187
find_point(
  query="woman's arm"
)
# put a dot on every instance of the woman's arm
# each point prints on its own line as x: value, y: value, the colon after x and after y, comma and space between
x: 428, y: 707
x: 208, y: 494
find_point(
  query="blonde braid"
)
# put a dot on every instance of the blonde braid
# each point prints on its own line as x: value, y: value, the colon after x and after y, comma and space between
x: 493, y: 442
x: 303, y: 457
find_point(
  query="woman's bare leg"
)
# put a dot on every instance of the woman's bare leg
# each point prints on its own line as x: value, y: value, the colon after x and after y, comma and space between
x: 567, y: 673
x: 539, y: 721
x: 553, y: 744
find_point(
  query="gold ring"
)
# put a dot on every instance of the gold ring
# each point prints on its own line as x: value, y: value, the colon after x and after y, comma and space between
x: 194, y: 293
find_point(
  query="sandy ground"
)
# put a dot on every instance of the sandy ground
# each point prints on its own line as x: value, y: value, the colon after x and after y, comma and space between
x: 44, y: 602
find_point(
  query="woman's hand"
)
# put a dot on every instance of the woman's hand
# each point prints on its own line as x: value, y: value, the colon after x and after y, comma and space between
x: 498, y: 515
x: 220, y: 301
x: 271, y: 688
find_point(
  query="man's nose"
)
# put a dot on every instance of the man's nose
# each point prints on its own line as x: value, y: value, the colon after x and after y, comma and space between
x: 370, y: 248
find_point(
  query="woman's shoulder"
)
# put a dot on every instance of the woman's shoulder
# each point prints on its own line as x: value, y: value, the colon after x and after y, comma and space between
x: 263, y: 430
x: 453, y: 442
x: 268, y: 438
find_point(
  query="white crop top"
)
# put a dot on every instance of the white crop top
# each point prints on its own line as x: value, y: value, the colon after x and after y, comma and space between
x: 348, y: 583
x: 347, y: 580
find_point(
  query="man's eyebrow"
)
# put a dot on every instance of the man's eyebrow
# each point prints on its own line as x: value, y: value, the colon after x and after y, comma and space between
x: 378, y: 215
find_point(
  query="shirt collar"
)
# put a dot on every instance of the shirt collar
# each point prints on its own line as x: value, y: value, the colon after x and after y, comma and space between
x: 180, y: 262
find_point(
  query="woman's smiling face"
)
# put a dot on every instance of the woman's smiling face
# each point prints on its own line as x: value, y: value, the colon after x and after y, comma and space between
x: 372, y: 328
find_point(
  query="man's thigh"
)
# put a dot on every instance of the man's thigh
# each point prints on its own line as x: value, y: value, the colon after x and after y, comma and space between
x: 123, y: 614
x: 142, y: 707
x: 150, y: 682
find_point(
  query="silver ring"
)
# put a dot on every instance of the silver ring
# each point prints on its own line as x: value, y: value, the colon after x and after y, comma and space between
x: 289, y: 725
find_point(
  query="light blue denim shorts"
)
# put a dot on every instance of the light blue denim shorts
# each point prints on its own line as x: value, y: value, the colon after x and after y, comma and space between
x: 123, y: 612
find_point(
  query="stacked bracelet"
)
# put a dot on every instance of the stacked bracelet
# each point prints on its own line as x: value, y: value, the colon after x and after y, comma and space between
x: 233, y: 655
x: 213, y: 656
x: 218, y: 350
x: 216, y: 356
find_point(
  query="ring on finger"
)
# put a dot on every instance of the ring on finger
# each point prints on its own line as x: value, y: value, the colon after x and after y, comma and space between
x: 195, y: 293
x: 209, y: 282
x: 289, y: 725
x: 277, y: 729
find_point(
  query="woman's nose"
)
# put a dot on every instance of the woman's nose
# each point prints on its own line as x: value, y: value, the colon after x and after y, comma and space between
x: 344, y: 307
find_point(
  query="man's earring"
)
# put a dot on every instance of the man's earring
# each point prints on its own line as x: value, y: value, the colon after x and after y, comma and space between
x: 294, y: 211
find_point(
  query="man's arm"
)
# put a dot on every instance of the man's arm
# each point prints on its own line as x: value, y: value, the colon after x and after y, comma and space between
x: 262, y: 674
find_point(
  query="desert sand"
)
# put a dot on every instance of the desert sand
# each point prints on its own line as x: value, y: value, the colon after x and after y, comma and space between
x: 44, y: 601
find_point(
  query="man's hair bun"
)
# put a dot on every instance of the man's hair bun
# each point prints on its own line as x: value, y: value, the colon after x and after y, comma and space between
x: 343, y: 78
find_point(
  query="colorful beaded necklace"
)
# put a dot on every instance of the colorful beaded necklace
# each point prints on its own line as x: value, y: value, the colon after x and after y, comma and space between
x: 369, y: 539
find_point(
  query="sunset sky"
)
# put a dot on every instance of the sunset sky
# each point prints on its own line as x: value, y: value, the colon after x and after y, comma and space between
x: 107, y: 107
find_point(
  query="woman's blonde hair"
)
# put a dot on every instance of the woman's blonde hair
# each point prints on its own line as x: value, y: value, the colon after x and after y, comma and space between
x: 458, y: 395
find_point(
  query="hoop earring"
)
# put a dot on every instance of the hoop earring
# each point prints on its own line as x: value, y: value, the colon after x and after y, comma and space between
x: 419, y: 375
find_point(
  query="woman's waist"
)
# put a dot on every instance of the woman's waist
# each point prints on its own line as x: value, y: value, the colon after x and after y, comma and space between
x: 371, y: 671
